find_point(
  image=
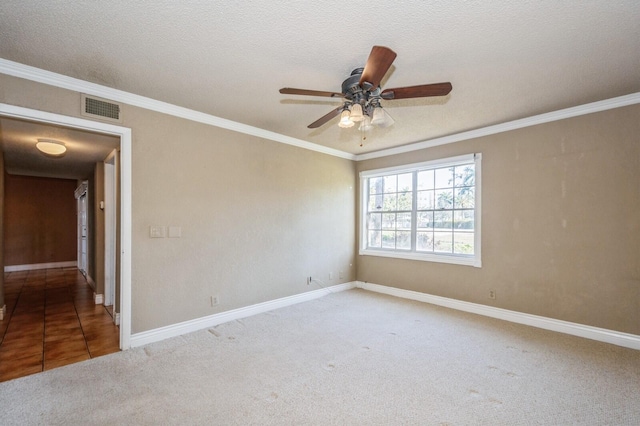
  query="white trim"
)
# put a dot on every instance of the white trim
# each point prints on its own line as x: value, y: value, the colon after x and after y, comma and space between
x: 465, y: 260
x: 116, y: 318
x: 16, y: 69
x: 562, y: 114
x: 98, y: 299
x: 3, y: 312
x: 155, y: 335
x: 431, y: 164
x: 618, y: 338
x: 36, y: 266
x: 125, y: 185
x: 27, y: 72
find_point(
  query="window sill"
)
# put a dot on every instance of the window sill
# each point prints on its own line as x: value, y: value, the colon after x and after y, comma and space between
x: 424, y: 257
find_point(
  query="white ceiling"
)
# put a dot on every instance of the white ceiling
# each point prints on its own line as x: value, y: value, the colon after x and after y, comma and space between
x: 505, y: 59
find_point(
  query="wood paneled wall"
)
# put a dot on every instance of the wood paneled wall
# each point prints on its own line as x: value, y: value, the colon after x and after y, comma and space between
x: 40, y: 220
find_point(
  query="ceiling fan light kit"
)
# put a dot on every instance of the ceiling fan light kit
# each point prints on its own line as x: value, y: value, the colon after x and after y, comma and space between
x: 362, y: 94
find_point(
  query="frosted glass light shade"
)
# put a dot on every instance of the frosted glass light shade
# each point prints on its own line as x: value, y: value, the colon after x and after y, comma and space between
x: 345, y: 121
x: 378, y: 116
x: 51, y: 147
x: 365, y: 124
x: 356, y: 113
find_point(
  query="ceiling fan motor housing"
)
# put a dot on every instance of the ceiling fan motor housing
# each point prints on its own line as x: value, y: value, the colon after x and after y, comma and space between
x: 351, y: 86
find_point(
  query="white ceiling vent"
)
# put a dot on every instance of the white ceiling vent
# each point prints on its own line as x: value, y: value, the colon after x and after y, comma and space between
x: 100, y: 108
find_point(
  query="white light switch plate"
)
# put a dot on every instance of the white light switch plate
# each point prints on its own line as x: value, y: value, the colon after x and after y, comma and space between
x: 157, y: 231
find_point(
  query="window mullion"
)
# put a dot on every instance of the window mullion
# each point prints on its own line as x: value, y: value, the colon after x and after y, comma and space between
x: 414, y: 214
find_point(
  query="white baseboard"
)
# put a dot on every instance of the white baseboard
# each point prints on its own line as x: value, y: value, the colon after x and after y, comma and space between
x: 98, y: 298
x: 3, y: 312
x: 36, y: 266
x: 594, y: 333
x: 155, y: 335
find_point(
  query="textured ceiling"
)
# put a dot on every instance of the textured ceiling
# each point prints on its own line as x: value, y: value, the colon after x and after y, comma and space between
x: 505, y: 59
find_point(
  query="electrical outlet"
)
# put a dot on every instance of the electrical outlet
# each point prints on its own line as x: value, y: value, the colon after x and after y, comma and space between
x: 308, y: 280
x: 214, y: 301
x: 492, y: 294
x: 341, y: 275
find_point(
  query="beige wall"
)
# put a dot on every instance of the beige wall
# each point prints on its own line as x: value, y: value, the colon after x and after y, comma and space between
x: 257, y: 216
x: 560, y: 230
x: 560, y: 223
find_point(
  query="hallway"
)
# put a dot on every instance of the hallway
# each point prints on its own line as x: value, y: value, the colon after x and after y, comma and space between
x: 51, y: 321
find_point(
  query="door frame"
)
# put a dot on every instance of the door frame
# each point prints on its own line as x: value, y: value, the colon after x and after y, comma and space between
x: 124, y: 133
x: 110, y: 203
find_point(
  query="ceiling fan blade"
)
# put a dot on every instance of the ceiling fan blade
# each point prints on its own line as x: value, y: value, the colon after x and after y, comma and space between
x: 319, y: 122
x: 425, y: 90
x: 292, y: 91
x: 379, y: 62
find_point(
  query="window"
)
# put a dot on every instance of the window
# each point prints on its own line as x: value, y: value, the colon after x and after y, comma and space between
x: 428, y: 211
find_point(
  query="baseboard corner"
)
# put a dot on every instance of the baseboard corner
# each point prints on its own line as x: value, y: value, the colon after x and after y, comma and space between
x: 3, y: 312
x: 98, y: 298
x: 618, y: 338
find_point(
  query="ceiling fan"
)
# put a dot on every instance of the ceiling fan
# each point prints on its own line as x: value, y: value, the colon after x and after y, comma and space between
x: 362, y: 93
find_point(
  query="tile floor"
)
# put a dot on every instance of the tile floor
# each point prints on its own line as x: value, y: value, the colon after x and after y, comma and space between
x: 51, y: 321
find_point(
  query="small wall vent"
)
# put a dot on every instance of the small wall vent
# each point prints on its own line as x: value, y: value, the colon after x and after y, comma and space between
x: 100, y: 108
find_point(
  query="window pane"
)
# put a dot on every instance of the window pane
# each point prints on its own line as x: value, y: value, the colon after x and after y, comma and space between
x: 424, y: 241
x: 463, y: 242
x: 463, y: 219
x: 375, y: 221
x: 464, y: 198
x: 405, y: 200
x: 444, y: 177
x: 375, y: 185
x: 388, y: 239
x: 391, y: 183
x: 403, y: 240
x: 443, y: 242
x: 405, y: 182
x: 444, y: 199
x: 465, y: 175
x: 390, y: 202
x: 389, y: 221
x: 404, y: 221
x: 374, y: 239
x: 425, y: 220
x: 443, y: 220
x: 425, y: 179
x: 425, y: 200
x: 375, y: 202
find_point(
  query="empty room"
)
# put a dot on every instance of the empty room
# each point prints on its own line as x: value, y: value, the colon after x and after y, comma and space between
x: 274, y: 212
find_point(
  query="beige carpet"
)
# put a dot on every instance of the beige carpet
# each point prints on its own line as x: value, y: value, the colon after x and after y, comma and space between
x: 348, y: 358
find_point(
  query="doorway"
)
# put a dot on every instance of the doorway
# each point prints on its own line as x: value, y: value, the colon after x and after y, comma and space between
x: 110, y: 226
x: 124, y: 256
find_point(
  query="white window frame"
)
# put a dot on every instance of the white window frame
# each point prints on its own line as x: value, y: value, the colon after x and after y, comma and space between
x: 459, y: 259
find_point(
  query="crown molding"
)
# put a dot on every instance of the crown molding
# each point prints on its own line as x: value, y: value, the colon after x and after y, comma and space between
x: 562, y: 114
x: 38, y: 75
x: 27, y: 72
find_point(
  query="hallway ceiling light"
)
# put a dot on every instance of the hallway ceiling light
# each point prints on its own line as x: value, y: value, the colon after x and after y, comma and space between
x: 51, y: 147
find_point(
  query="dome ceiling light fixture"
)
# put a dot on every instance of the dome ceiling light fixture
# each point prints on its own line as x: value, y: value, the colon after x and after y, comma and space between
x: 51, y: 147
